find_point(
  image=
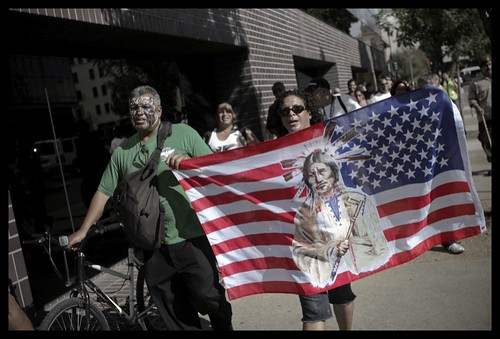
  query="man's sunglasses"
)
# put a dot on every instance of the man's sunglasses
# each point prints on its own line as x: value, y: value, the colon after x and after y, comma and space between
x: 297, y: 109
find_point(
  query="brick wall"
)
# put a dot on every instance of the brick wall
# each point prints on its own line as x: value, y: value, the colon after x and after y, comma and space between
x: 272, y: 38
x: 17, y: 268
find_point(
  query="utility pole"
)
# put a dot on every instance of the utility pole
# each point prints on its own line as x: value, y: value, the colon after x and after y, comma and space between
x: 411, y: 68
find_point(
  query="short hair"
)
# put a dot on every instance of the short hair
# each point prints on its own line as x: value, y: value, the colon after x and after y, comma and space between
x: 318, y: 83
x: 484, y: 59
x: 278, y: 86
x: 428, y: 78
x: 141, y: 90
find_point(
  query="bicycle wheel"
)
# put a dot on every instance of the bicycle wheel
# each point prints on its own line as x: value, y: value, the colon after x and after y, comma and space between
x: 152, y: 319
x: 70, y: 315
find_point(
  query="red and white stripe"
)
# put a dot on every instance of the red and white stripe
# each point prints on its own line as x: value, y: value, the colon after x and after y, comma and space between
x: 247, y: 212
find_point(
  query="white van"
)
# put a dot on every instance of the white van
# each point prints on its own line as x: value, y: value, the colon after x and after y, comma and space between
x: 46, y: 150
x: 469, y: 73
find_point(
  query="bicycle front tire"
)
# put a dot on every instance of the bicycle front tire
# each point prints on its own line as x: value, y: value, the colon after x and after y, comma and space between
x: 70, y: 315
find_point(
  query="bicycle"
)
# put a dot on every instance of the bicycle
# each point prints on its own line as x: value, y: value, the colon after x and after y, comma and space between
x: 80, y: 311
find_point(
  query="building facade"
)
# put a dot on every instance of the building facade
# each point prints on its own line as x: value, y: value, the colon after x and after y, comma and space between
x: 222, y: 54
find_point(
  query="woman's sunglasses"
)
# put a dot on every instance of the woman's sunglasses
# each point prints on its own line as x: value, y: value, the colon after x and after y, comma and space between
x: 297, y: 109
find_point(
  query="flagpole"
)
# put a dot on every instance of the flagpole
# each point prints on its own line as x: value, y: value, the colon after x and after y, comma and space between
x: 59, y: 159
x: 352, y: 218
x: 486, y: 128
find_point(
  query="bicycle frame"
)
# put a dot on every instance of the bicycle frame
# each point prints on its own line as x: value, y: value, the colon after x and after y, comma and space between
x: 84, y: 284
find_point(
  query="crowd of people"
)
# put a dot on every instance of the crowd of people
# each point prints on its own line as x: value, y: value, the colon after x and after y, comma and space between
x: 183, y: 276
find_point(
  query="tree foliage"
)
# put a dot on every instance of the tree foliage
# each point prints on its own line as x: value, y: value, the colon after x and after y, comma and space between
x: 419, y: 64
x: 125, y: 75
x: 339, y: 18
x: 456, y: 32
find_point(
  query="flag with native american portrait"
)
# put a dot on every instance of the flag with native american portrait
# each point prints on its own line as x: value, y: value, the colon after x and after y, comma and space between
x: 403, y: 185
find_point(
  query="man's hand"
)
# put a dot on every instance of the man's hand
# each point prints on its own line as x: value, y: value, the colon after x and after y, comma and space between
x: 342, y: 247
x: 174, y: 160
x: 76, y: 237
x: 339, y: 250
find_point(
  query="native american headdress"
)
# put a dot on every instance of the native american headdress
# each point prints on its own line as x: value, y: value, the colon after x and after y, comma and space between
x: 336, y: 149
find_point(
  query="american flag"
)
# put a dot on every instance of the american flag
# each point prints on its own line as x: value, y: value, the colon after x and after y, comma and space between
x: 408, y: 153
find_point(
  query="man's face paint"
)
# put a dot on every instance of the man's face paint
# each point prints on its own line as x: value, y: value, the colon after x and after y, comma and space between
x: 140, y: 106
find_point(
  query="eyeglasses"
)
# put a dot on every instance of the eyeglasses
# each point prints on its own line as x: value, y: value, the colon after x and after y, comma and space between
x: 297, y: 109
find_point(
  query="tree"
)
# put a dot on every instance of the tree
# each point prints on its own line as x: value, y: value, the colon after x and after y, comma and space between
x: 456, y: 32
x: 125, y: 75
x: 339, y: 18
x: 419, y: 64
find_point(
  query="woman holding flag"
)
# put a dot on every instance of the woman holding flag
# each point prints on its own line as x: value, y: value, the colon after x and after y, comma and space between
x: 297, y: 111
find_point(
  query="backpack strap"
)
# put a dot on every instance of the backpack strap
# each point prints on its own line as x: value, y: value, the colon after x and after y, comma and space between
x: 163, y: 132
x: 342, y: 104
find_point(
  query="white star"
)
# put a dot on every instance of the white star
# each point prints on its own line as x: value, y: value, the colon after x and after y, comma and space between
x: 431, y: 98
x: 423, y: 110
x: 394, y: 110
x: 443, y: 162
x: 393, y: 178
x: 410, y: 174
x: 412, y: 104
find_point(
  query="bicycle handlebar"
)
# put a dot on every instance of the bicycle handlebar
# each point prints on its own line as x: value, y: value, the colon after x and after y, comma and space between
x: 100, y: 228
x: 41, y: 238
x: 97, y: 228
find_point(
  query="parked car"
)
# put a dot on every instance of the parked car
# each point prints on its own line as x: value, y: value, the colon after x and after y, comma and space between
x: 46, y: 150
x: 469, y: 73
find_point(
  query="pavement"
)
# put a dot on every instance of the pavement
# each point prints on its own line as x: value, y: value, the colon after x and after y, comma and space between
x: 436, y: 291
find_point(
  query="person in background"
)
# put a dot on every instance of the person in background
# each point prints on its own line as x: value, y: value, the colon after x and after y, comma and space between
x: 226, y: 135
x: 272, y: 126
x: 361, y: 98
x: 450, y: 88
x: 351, y: 88
x: 181, y: 275
x: 363, y: 87
x: 298, y: 110
x: 384, y: 89
x: 433, y: 79
x: 480, y: 100
x: 400, y: 87
x: 330, y: 105
x: 18, y: 319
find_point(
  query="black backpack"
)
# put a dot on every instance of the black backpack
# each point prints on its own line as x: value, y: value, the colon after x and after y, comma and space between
x: 137, y: 202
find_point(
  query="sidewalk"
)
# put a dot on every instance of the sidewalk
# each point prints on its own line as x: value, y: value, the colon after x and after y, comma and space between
x: 436, y: 291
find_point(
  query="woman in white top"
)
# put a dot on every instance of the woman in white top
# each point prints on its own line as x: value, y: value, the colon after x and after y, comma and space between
x: 226, y: 135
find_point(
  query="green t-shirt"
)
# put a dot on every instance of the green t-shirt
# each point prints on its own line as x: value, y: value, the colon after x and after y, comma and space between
x: 181, y: 222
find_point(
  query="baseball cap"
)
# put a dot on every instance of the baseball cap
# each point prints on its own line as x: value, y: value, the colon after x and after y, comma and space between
x: 318, y: 83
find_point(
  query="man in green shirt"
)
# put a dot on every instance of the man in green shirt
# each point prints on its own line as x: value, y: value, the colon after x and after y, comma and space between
x: 182, y: 276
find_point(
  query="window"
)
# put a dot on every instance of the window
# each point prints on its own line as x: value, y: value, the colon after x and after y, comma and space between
x: 101, y: 72
x: 91, y: 74
x: 79, y: 95
x: 75, y: 78
x: 98, y: 109
x: 104, y: 90
x: 107, y: 107
x: 94, y: 90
